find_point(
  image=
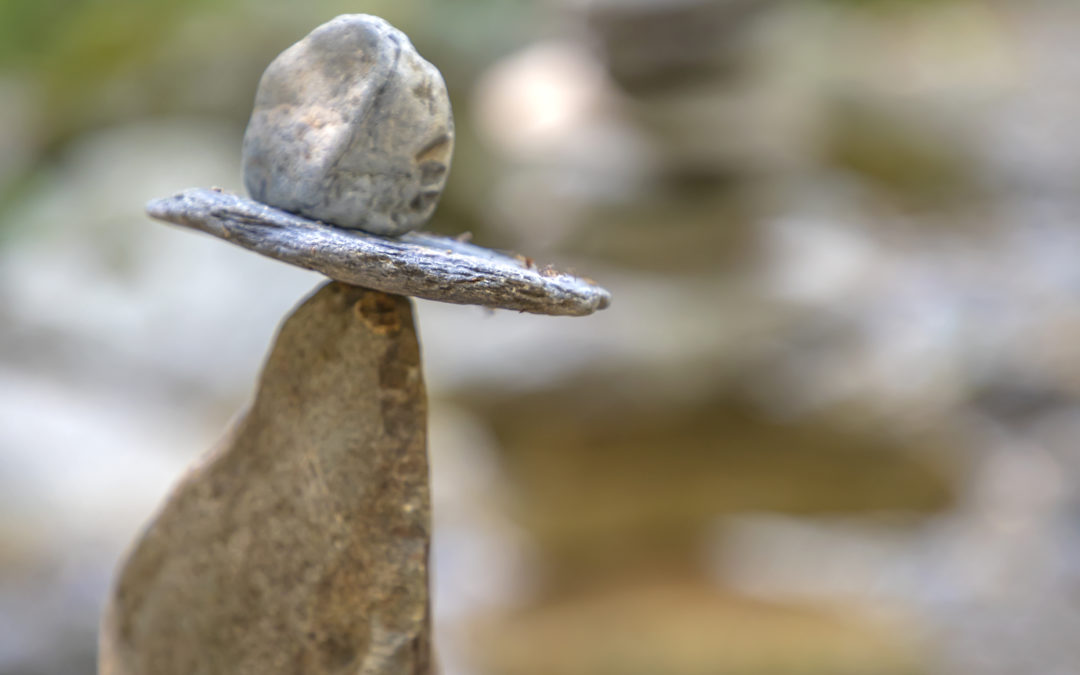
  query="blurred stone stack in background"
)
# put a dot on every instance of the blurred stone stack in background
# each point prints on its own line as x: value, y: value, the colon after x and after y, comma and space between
x: 646, y: 152
x: 829, y: 424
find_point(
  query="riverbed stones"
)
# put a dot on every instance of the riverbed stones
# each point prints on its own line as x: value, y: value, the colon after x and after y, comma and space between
x: 351, y: 126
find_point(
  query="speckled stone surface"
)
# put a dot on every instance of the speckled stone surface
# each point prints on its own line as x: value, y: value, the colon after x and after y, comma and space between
x: 300, y: 545
x: 352, y: 127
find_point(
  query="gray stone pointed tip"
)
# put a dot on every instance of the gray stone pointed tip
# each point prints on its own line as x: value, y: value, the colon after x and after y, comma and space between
x: 417, y: 264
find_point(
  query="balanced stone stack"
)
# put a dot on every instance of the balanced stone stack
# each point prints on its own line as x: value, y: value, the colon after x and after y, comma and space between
x: 301, y: 543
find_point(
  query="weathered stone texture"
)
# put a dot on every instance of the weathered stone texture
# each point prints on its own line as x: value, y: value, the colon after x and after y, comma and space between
x: 301, y: 544
x: 417, y: 264
x: 352, y: 127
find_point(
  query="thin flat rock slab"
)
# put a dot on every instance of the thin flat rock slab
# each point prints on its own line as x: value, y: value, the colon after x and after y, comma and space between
x: 416, y: 264
x: 300, y: 545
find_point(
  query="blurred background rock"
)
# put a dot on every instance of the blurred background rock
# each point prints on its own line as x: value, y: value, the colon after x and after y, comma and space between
x: 830, y: 424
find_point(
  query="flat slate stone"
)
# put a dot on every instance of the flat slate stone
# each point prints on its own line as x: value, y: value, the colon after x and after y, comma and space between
x: 415, y: 264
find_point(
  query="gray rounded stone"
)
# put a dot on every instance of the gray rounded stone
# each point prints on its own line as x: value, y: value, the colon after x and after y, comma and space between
x: 351, y: 127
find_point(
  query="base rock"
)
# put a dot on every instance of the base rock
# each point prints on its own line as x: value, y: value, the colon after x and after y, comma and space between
x: 301, y: 544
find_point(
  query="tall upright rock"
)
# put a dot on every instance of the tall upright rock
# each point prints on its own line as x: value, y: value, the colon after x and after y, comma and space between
x: 300, y: 545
